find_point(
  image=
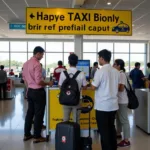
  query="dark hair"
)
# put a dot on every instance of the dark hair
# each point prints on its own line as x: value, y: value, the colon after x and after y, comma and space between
x: 38, y: 49
x: 2, y: 67
x: 105, y: 54
x: 95, y: 64
x: 60, y: 63
x: 137, y: 64
x: 120, y: 62
x: 73, y: 59
x: 148, y: 65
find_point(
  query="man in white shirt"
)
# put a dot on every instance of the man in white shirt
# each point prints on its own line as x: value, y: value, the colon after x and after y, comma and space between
x: 105, y: 84
x: 81, y: 80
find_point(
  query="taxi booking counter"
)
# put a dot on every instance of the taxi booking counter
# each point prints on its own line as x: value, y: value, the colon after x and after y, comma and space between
x: 54, y: 111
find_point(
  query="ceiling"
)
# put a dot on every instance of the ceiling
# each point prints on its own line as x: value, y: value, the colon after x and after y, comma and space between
x: 13, y: 11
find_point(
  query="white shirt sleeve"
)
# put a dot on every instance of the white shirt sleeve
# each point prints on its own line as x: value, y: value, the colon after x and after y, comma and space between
x: 84, y: 83
x: 122, y: 79
x: 61, y: 79
x: 97, y: 78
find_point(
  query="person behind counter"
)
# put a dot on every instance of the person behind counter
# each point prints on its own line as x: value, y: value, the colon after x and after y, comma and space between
x: 137, y: 77
x: 95, y: 67
x: 122, y: 113
x: 32, y: 75
x: 58, y: 70
x: 148, y: 70
x: 81, y: 79
x: 105, y: 84
x: 3, y: 82
x: 11, y: 73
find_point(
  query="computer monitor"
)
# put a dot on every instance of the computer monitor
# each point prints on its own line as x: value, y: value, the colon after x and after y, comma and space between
x: 84, y: 65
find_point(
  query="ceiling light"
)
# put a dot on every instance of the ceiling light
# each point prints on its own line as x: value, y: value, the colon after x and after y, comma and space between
x: 108, y: 3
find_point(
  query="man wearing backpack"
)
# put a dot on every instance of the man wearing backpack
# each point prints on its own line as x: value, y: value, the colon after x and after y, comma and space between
x: 69, y: 91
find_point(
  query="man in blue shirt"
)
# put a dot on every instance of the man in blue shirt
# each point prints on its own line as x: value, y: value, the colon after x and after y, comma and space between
x: 137, y: 77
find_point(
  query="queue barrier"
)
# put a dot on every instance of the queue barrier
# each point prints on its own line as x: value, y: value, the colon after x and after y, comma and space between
x: 54, y: 111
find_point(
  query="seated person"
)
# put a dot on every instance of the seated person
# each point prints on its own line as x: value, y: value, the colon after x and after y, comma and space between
x: 11, y: 73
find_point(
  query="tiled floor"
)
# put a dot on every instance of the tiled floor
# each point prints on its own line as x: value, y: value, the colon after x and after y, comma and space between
x: 12, y: 114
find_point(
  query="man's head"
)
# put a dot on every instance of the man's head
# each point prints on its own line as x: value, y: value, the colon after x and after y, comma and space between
x: 38, y: 52
x: 2, y: 67
x: 60, y: 63
x: 95, y: 64
x: 104, y: 57
x: 11, y: 70
x: 148, y: 65
x: 73, y: 60
x: 137, y: 65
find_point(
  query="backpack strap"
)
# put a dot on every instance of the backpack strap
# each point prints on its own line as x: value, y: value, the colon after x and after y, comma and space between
x: 76, y: 74
x: 66, y: 74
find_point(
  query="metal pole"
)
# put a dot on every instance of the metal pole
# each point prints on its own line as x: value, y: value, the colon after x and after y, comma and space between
x: 47, y: 113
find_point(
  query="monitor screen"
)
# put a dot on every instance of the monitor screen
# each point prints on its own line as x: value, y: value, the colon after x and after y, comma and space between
x: 84, y: 65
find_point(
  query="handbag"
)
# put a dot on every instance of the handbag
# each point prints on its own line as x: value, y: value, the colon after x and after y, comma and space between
x: 133, y: 100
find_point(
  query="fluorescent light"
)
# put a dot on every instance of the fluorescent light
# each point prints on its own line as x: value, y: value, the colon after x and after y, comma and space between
x: 108, y: 3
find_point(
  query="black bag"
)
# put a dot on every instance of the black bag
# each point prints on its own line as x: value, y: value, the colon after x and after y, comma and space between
x: 133, y: 100
x: 67, y: 136
x: 69, y: 93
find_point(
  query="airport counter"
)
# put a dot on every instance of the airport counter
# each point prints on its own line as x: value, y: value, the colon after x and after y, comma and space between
x: 142, y: 113
x: 54, y: 111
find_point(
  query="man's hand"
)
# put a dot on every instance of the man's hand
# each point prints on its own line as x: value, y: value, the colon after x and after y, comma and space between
x: 50, y: 83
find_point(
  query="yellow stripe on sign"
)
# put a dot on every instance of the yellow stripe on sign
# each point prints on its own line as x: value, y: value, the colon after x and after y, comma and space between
x: 78, y: 21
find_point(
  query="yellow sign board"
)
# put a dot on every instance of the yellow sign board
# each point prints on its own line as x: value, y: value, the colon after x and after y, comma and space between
x: 78, y: 21
x: 56, y: 111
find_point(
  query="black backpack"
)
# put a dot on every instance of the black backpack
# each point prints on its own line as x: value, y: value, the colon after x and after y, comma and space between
x: 133, y: 100
x: 69, y: 92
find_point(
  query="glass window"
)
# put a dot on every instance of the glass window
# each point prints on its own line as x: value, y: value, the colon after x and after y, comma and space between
x: 124, y: 57
x: 137, y: 58
x: 105, y: 45
x: 54, y: 46
x: 90, y: 56
x: 4, y: 46
x: 68, y: 46
x: 52, y: 60
x: 18, y: 46
x: 4, y: 60
x: 42, y: 60
x: 66, y: 55
x: 89, y: 47
x: 17, y: 61
x: 32, y: 45
x: 121, y: 47
x: 137, y: 48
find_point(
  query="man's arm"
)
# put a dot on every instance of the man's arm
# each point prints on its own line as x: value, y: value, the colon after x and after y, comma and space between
x: 97, y: 80
x: 38, y: 77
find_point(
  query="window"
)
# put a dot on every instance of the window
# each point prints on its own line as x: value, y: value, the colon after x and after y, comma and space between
x: 108, y: 46
x: 138, y: 58
x: 4, y: 60
x: 17, y: 61
x: 66, y: 55
x: 68, y: 46
x: 89, y: 47
x: 54, y: 46
x: 4, y: 46
x: 51, y: 61
x: 137, y: 47
x: 121, y: 47
x: 18, y: 46
x: 124, y: 57
x: 32, y: 45
x: 90, y: 56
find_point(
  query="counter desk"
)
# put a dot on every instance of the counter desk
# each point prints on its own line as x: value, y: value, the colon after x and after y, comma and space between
x: 54, y: 111
x: 142, y: 113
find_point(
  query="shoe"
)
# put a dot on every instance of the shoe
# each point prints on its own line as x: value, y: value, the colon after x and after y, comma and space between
x: 119, y: 136
x: 43, y: 127
x: 26, y: 138
x: 39, y: 140
x: 124, y: 144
